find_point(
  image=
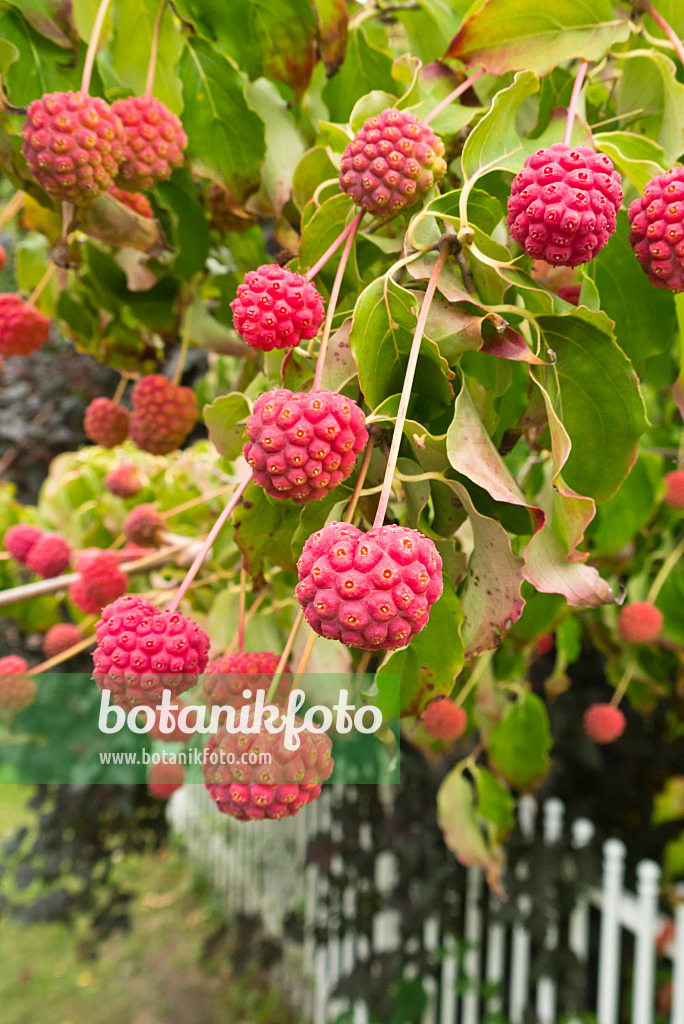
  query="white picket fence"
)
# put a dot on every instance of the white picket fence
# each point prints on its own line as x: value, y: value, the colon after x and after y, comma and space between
x: 259, y: 868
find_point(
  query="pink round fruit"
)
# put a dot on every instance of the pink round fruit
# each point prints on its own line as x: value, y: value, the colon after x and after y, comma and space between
x: 135, y: 201
x: 277, y: 789
x: 302, y: 445
x: 20, y: 539
x: 73, y: 144
x: 227, y: 678
x: 100, y: 580
x: 23, y: 328
x: 674, y: 495
x: 443, y: 719
x: 639, y: 622
x: 123, y: 480
x: 154, y: 142
x: 49, y: 556
x: 391, y: 163
x: 143, y: 525
x: 17, y: 689
x: 60, y: 638
x: 564, y: 203
x: 371, y: 590
x: 106, y: 422
x: 656, y: 229
x: 603, y: 723
x: 141, y: 652
x: 163, y: 414
x: 276, y: 308
x: 164, y: 778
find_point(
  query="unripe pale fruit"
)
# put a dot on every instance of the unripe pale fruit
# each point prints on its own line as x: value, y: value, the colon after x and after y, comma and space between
x: 49, y: 556
x: 226, y: 678
x: 61, y: 637
x: 142, y: 525
x: 106, y: 423
x: 135, y: 201
x: 123, y: 480
x: 391, y: 163
x: 656, y: 229
x: 674, y: 496
x: 101, y: 580
x: 163, y: 779
x: 443, y: 719
x: 17, y: 690
x: 371, y: 590
x: 563, y: 204
x: 276, y: 308
x: 73, y: 144
x: 141, y: 652
x: 277, y: 789
x: 20, y: 539
x: 23, y: 328
x: 163, y: 414
x: 302, y: 445
x: 603, y: 723
x: 639, y: 622
x: 154, y: 142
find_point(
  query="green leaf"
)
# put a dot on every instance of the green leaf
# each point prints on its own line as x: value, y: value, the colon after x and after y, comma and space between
x: 634, y: 155
x: 431, y: 662
x: 504, y: 35
x: 647, y: 73
x: 225, y: 419
x: 631, y: 509
x: 518, y: 746
x: 225, y: 136
x: 494, y: 802
x: 263, y: 530
x: 596, y: 394
x: 41, y: 66
x: 284, y: 147
x: 365, y: 67
x: 188, y: 225
x: 494, y: 142
x: 459, y: 823
x: 630, y: 300
x: 384, y: 320
x: 51, y: 18
x: 668, y: 805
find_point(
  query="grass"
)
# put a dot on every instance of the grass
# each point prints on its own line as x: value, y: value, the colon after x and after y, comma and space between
x: 157, y: 973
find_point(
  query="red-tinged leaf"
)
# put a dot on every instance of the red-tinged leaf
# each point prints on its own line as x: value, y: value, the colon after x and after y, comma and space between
x: 553, y: 564
x: 51, y: 18
x: 472, y: 454
x: 332, y: 20
x: 463, y: 835
x: 510, y: 344
x: 110, y: 221
x: 491, y: 601
x: 506, y: 35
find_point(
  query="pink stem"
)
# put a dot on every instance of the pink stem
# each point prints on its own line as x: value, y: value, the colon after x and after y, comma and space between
x: 208, y: 541
x: 406, y: 390
x: 310, y: 274
x: 154, y: 49
x: 92, y: 45
x: 463, y: 87
x: 667, y: 29
x: 574, y: 100
x: 332, y: 302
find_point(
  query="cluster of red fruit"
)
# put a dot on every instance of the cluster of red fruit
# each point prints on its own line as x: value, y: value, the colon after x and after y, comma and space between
x: 163, y: 414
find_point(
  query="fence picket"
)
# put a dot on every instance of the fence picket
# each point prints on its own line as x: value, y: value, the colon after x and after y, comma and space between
x: 648, y: 885
x: 677, y: 1012
x: 472, y: 934
x: 610, y: 940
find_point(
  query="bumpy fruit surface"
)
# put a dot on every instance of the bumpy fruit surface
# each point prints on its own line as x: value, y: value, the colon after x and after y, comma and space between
x: 301, y: 446
x: 141, y: 651
x: 603, y: 723
x: 20, y: 539
x: 164, y: 779
x: 564, y: 203
x: 106, y: 423
x: 142, y: 525
x: 371, y: 590
x: 100, y: 581
x: 73, y: 144
x: 291, y: 779
x: 639, y: 622
x: 226, y: 678
x: 163, y: 414
x: 443, y: 719
x: 49, y: 556
x: 276, y: 308
x: 23, y: 328
x: 135, y: 201
x: 123, y: 480
x: 154, y: 142
x: 60, y: 637
x: 17, y: 689
x: 391, y: 162
x: 656, y: 229
x: 674, y: 496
